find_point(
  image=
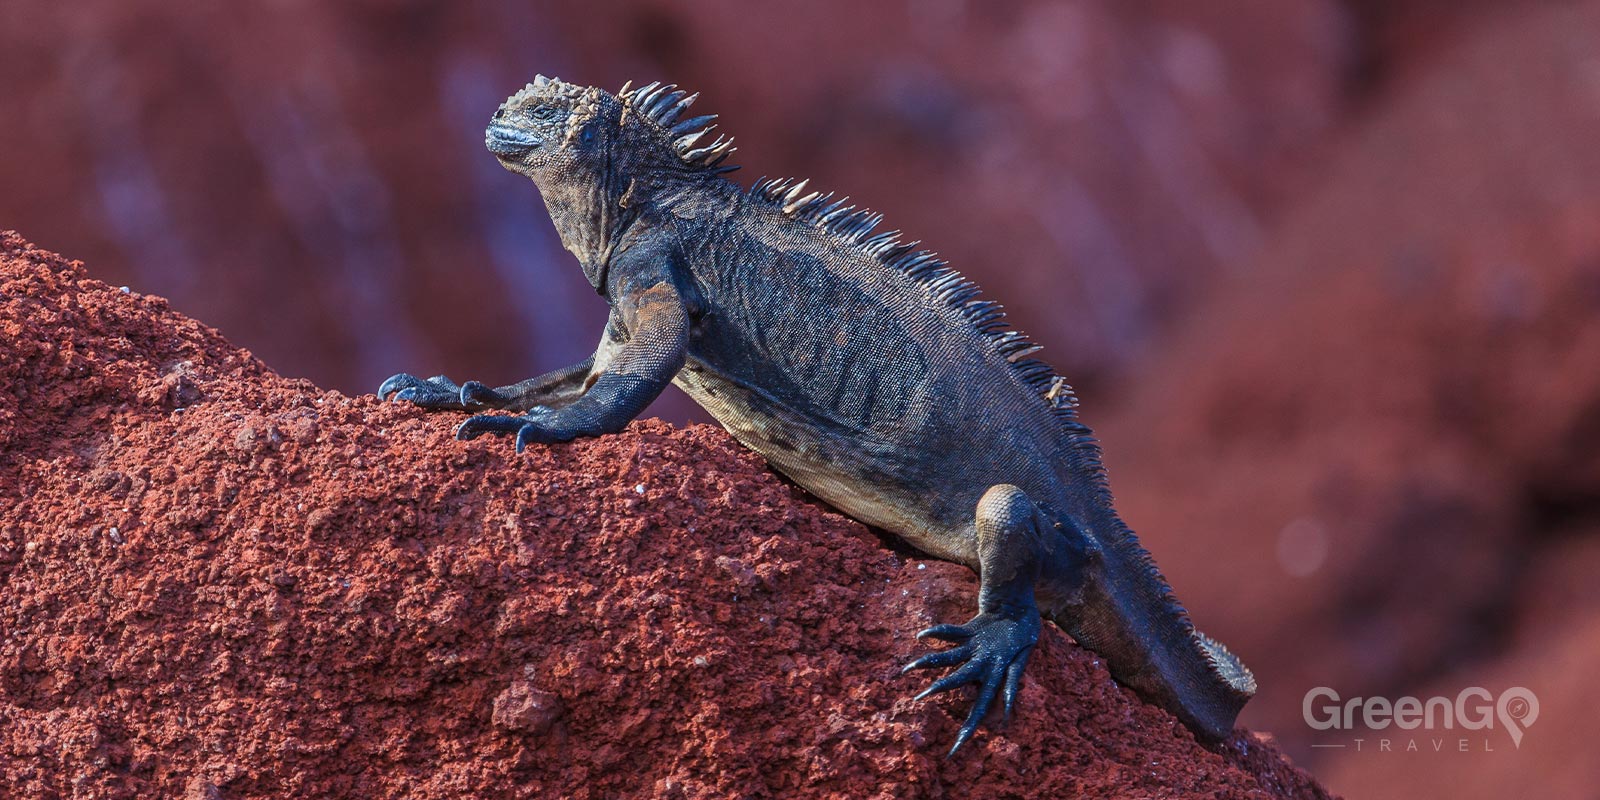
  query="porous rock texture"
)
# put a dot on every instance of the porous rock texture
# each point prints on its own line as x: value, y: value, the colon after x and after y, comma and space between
x: 216, y: 582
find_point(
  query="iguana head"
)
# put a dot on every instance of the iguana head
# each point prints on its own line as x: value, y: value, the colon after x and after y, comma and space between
x: 549, y: 128
x: 554, y: 130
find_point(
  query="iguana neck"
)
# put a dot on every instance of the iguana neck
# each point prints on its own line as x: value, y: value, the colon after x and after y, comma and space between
x: 592, y: 220
x: 590, y: 217
x: 592, y: 212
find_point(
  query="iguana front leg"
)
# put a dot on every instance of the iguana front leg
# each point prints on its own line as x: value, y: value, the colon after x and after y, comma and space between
x: 552, y: 390
x: 1018, y: 547
x: 636, y: 361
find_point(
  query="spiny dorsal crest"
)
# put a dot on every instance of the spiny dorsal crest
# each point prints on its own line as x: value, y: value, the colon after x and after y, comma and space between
x: 945, y: 286
x: 662, y: 106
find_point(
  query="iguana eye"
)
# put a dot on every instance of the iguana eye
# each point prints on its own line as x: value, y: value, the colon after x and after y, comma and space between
x: 543, y: 113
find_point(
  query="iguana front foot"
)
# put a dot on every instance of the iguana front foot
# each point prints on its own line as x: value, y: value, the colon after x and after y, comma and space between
x: 995, y: 647
x: 441, y: 393
x: 535, y: 427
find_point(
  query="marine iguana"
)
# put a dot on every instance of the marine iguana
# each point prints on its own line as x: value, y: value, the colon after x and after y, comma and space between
x: 865, y: 369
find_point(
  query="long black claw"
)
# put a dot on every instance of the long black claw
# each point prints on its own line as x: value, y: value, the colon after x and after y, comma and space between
x: 477, y: 426
x: 980, y: 707
x: 1014, y: 680
x: 941, y: 658
x: 968, y: 673
x: 961, y: 739
x: 948, y: 633
x: 395, y: 383
x: 474, y: 394
x: 526, y: 435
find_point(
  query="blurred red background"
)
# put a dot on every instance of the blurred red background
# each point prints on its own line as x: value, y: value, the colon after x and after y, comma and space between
x: 1326, y: 273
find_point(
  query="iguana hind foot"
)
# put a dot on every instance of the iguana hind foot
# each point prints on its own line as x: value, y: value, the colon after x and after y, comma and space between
x: 1020, y: 547
x: 995, y: 649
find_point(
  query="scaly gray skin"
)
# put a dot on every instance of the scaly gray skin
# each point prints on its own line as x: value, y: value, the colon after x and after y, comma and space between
x: 865, y: 370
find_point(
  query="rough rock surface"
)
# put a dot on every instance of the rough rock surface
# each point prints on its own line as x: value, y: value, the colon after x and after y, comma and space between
x: 218, y: 582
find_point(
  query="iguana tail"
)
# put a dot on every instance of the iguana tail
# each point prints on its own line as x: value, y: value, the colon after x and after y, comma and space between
x: 1127, y: 612
x: 1129, y: 615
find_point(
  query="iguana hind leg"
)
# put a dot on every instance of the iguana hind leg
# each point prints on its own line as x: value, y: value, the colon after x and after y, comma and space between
x: 1017, y: 546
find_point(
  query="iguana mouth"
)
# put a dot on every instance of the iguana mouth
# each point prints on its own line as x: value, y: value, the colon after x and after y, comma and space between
x: 509, y: 142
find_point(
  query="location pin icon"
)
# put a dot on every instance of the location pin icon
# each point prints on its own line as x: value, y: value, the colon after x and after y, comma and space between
x: 1517, y: 708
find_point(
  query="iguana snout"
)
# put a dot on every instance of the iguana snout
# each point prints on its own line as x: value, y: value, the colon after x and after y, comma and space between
x: 508, y: 141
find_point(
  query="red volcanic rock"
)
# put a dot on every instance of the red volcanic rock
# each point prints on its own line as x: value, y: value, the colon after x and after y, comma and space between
x: 221, y: 583
x: 521, y: 707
